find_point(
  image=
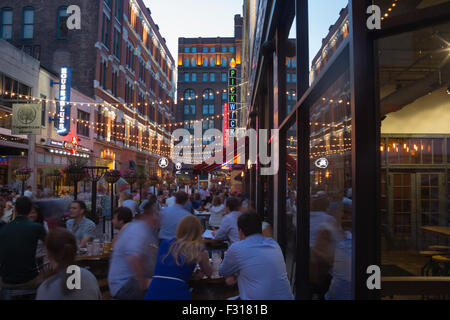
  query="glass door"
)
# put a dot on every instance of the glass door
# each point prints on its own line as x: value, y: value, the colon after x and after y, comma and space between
x: 431, y: 206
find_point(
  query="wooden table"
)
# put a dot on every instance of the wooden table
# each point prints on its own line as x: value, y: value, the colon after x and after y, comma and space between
x: 438, y: 230
x: 212, y: 289
x: 99, y: 266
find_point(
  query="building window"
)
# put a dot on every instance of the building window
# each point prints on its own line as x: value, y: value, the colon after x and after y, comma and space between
x: 119, y: 9
x: 205, y: 62
x: 212, y: 49
x: 62, y: 30
x: 224, y: 62
x: 193, y: 62
x: 115, y: 80
x: 205, y: 49
x: 117, y: 43
x: 231, y: 49
x: 103, y: 71
x: 6, y: 23
x: 105, y: 30
x: 288, y: 62
x: 288, y: 77
x: 186, y: 77
x: 186, y: 50
x: 28, y: 23
x: 208, y: 95
x: 205, y: 77
x: 224, y: 96
x: 194, y: 49
x: 44, y: 108
x: 224, y: 77
x: 294, y: 63
x: 224, y: 49
x: 212, y: 77
x: 83, y: 123
x: 194, y: 77
x: 189, y: 102
x: 212, y: 62
x: 293, y: 77
x: 186, y: 62
x: 208, y: 109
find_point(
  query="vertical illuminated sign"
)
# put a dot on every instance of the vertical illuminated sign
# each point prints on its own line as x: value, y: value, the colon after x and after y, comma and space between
x: 232, y: 98
x: 225, y: 123
x: 64, y: 101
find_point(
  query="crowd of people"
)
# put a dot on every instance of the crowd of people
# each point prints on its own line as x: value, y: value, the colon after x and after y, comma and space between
x: 157, y: 248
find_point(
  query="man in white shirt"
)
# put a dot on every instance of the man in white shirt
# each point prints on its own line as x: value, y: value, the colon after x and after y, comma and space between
x: 131, y: 204
x: 228, y: 229
x: 29, y: 193
x: 171, y: 200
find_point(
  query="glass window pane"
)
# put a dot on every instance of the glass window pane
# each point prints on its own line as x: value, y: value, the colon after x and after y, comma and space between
x: 28, y: 16
x: 416, y: 126
x: 331, y: 192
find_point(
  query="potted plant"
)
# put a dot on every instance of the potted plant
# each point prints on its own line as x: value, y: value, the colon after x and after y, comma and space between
x: 54, y: 174
x: 112, y: 176
x: 23, y: 173
x: 75, y: 171
x: 154, y: 179
x: 129, y: 176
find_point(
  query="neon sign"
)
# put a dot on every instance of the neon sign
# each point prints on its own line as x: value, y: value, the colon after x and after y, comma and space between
x: 232, y: 98
x: 64, y: 99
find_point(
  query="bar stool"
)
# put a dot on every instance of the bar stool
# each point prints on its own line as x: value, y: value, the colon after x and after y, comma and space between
x: 443, y: 263
x: 431, y: 264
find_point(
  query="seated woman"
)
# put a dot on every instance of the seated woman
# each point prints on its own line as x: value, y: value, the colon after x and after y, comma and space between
x: 61, y: 248
x: 176, y: 262
x: 217, y: 211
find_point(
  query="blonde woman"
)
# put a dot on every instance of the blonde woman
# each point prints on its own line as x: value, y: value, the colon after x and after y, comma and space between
x: 176, y: 262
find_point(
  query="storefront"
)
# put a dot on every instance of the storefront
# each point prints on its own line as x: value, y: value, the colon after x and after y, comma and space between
x: 369, y: 134
x: 53, y: 155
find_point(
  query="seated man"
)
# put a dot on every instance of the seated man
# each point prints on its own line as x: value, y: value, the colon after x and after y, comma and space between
x: 171, y: 216
x: 228, y: 229
x: 256, y: 263
x: 79, y: 225
x: 134, y: 257
x: 18, y: 243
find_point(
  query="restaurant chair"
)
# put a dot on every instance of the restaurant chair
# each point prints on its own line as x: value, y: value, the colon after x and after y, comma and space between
x: 431, y: 264
x: 443, y: 263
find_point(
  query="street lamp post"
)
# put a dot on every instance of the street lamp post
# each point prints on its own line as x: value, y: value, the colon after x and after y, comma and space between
x: 95, y: 174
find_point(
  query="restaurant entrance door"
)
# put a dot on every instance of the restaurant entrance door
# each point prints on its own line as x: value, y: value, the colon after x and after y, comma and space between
x: 416, y: 200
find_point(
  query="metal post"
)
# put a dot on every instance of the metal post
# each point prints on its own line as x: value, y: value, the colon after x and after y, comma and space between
x: 23, y: 187
x: 112, y: 210
x: 75, y: 190
x: 94, y: 199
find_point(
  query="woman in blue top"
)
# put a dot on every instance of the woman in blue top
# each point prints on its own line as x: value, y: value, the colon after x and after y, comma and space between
x: 176, y: 262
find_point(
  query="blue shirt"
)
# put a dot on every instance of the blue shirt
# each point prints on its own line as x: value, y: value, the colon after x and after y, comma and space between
x: 169, y: 219
x: 84, y: 228
x: 137, y: 239
x: 260, y: 268
x: 228, y: 229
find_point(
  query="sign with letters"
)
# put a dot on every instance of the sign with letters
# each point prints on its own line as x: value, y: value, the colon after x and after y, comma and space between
x: 63, y: 119
x: 26, y: 118
x: 232, y: 100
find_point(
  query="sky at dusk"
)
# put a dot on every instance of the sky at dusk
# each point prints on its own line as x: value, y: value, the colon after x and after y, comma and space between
x: 215, y: 18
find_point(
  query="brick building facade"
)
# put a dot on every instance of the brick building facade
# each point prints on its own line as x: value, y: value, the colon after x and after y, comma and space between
x: 118, y: 58
x: 203, y: 65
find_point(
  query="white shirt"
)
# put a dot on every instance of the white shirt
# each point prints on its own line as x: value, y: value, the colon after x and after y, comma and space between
x: 132, y: 205
x: 28, y: 194
x: 170, y: 201
x: 7, y: 215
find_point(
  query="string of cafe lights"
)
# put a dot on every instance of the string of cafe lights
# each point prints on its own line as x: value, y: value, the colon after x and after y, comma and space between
x: 89, y: 104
